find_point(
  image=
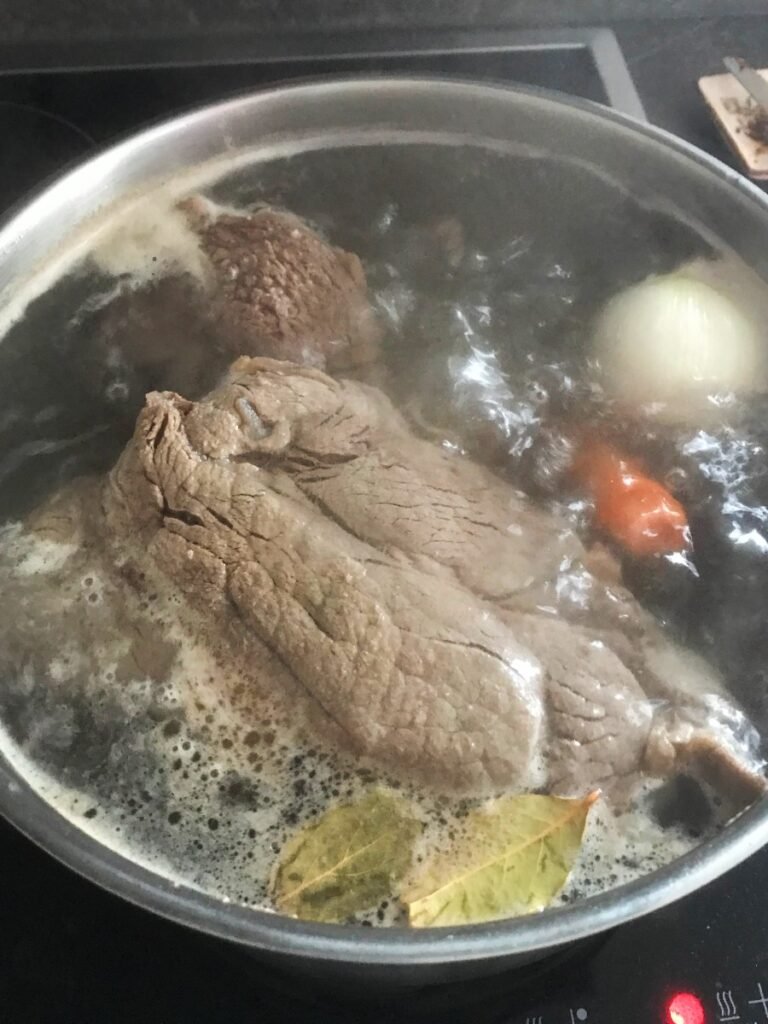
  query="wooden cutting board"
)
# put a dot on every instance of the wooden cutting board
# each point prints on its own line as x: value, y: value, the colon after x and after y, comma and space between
x: 730, y: 106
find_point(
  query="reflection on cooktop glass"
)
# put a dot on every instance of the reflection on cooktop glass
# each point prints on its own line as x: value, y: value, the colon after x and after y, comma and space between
x: 49, y: 120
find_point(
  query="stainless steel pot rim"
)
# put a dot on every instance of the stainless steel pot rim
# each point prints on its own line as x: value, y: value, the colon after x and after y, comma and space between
x: 24, y: 808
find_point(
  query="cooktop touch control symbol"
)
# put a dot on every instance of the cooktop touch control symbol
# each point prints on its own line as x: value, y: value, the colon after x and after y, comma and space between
x: 727, y: 1007
x: 577, y: 1016
x: 761, y: 1001
x: 533, y: 1020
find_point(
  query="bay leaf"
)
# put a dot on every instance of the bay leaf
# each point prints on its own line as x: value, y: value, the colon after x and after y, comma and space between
x: 348, y: 860
x: 512, y: 857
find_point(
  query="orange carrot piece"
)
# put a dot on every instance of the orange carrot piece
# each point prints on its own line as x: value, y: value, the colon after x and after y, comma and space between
x: 635, y: 510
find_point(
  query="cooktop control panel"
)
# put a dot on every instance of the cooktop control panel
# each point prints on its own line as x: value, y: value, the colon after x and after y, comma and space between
x: 703, y: 960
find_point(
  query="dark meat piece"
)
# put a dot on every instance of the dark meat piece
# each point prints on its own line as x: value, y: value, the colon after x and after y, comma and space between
x: 410, y: 592
x: 273, y: 287
x: 281, y: 291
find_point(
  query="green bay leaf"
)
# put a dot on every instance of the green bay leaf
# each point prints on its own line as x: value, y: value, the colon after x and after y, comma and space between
x: 348, y: 860
x: 512, y: 857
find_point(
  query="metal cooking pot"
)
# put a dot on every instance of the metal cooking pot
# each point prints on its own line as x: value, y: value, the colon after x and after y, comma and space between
x: 651, y: 166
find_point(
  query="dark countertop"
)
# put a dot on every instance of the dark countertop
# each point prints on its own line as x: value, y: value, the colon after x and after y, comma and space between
x: 64, y: 22
x: 666, y: 62
x: 46, y: 33
x: 665, y: 55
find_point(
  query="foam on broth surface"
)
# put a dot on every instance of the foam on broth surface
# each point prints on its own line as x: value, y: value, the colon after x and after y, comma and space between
x: 191, y: 776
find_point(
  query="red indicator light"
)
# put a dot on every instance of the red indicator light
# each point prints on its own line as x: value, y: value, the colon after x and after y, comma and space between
x: 685, y: 1008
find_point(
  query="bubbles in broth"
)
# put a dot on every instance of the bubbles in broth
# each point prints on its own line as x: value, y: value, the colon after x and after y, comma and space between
x: 126, y: 705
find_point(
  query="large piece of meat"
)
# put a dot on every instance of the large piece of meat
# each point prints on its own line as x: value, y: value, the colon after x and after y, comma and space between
x: 280, y: 290
x: 433, y: 618
x: 269, y: 286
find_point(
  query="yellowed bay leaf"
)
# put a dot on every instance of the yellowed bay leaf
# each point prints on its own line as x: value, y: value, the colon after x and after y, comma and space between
x: 348, y: 860
x: 512, y: 857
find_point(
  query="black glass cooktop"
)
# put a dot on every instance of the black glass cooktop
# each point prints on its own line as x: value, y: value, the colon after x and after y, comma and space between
x: 49, y: 119
x: 72, y: 954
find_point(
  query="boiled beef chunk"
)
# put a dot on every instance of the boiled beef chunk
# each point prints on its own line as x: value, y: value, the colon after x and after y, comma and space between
x: 407, y: 664
x: 271, y: 286
x: 600, y: 718
x: 412, y: 595
x: 280, y: 290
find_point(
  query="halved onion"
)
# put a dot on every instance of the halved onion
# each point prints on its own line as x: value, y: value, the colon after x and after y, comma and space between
x: 678, y: 341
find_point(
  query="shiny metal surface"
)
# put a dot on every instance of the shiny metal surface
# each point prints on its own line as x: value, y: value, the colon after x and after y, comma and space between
x: 746, y: 75
x: 655, y: 167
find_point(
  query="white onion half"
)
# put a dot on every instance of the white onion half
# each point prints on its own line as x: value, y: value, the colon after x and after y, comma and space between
x: 678, y: 341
